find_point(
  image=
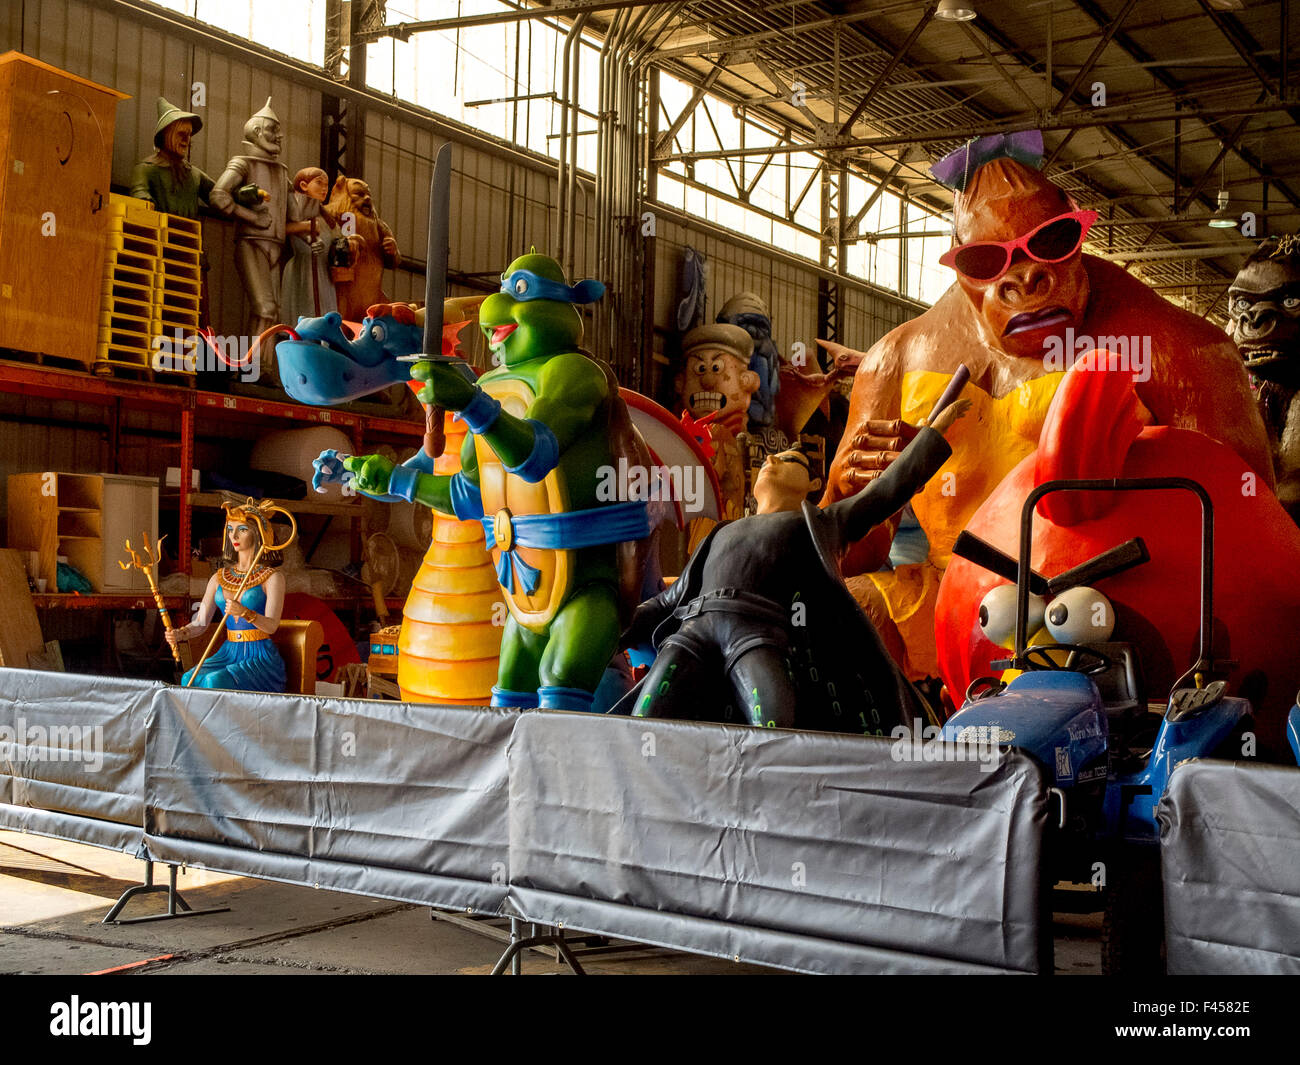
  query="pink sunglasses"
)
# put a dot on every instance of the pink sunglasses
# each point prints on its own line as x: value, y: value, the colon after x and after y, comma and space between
x: 1055, y: 240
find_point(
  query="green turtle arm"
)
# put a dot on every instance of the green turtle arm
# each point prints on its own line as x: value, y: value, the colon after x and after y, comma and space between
x: 433, y: 490
x: 571, y: 390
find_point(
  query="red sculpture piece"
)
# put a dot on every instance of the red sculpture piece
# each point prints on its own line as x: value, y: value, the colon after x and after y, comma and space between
x: 1097, y: 428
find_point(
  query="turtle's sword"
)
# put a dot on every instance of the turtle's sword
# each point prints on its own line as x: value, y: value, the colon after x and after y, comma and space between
x: 435, y: 287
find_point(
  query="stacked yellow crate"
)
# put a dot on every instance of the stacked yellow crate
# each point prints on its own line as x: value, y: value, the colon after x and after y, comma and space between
x: 151, y: 289
x: 177, y: 312
x: 131, y: 259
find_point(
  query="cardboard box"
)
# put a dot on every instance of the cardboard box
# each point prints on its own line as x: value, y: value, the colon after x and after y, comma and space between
x: 173, y: 478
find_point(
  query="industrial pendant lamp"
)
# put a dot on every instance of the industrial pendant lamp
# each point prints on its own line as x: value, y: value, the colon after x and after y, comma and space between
x: 955, y: 10
x: 1222, y: 217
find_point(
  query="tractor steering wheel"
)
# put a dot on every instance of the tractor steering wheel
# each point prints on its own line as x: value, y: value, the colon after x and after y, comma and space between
x: 1080, y: 659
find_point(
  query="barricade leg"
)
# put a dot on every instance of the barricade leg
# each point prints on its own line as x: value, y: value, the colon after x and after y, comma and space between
x: 174, y: 899
x: 518, y: 944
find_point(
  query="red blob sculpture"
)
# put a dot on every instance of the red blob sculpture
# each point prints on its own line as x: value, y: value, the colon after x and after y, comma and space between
x: 1097, y: 427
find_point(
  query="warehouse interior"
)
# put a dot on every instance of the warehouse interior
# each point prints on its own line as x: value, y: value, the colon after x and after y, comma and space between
x: 692, y: 162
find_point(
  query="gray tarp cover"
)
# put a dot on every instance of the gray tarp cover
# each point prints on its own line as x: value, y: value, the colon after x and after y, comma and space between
x: 394, y: 800
x: 86, y: 785
x: 809, y: 851
x: 1230, y: 852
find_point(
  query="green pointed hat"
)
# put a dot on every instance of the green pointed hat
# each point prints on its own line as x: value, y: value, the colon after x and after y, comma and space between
x: 169, y: 113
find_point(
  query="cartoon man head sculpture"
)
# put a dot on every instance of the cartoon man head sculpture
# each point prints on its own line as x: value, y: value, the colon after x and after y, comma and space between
x: 784, y: 481
x: 262, y: 131
x: 716, y: 378
x: 175, y: 128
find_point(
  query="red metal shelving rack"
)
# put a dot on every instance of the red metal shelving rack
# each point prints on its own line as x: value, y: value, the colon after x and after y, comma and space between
x: 28, y: 379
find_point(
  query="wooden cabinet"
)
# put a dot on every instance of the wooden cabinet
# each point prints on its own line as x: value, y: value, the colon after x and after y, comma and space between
x: 56, y: 145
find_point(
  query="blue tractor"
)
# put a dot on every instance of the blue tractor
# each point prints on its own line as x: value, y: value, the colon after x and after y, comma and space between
x: 1081, y: 710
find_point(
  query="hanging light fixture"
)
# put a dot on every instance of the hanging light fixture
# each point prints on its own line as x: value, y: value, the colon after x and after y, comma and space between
x: 955, y: 10
x: 1222, y: 217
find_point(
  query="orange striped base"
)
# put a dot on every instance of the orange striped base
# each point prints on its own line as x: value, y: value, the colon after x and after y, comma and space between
x: 454, y: 617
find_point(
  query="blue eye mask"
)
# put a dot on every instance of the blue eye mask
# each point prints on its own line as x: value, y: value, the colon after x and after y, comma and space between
x: 524, y: 285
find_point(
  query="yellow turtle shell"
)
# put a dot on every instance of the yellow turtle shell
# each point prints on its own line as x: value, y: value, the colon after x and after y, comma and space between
x: 505, y: 495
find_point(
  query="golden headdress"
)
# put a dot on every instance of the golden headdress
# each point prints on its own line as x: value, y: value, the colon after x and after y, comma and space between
x: 259, y: 512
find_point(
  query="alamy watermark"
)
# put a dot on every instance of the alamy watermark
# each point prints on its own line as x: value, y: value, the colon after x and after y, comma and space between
x: 21, y: 742
x: 77, y: 1018
x: 1122, y: 354
x: 925, y: 743
x: 635, y: 483
x: 197, y: 353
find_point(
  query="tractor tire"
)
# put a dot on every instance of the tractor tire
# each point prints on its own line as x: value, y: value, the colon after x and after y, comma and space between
x: 1133, y: 928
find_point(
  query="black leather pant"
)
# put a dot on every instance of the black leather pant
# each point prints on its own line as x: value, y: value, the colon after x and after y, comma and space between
x: 753, y: 655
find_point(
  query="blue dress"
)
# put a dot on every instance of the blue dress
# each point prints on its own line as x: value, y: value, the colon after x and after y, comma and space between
x: 254, y: 666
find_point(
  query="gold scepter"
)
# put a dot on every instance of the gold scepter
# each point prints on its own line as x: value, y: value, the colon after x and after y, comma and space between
x: 258, y: 513
x: 153, y: 555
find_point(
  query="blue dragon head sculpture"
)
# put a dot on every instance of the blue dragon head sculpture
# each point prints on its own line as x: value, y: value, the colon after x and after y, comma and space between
x: 327, y: 361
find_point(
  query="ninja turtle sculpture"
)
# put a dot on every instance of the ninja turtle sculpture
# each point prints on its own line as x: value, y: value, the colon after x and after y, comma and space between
x: 543, y: 425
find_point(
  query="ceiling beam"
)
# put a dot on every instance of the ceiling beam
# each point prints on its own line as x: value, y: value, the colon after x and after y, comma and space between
x: 1207, y: 251
x: 746, y: 41
x: 1089, y: 119
x: 856, y: 220
x: 404, y: 30
x: 667, y: 136
x: 1016, y: 87
x: 1243, y: 43
x: 883, y: 77
x: 1103, y: 42
x: 1136, y: 51
x: 1229, y: 143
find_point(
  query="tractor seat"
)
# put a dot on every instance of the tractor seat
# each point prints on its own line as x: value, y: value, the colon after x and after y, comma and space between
x: 1122, y: 687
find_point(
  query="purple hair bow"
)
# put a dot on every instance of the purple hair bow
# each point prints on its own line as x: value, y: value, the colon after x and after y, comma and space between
x: 955, y: 168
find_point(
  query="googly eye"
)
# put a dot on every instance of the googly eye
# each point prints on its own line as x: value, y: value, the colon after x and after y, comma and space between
x: 997, y: 615
x: 521, y: 286
x: 1081, y: 616
x: 378, y: 333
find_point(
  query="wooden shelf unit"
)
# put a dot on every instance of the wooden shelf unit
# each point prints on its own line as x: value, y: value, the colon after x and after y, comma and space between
x: 59, y: 514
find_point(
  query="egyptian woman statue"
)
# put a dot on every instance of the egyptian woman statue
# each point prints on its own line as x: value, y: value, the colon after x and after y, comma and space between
x: 250, y: 592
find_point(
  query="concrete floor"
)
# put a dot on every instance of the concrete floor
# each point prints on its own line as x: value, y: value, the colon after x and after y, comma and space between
x: 53, y: 895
